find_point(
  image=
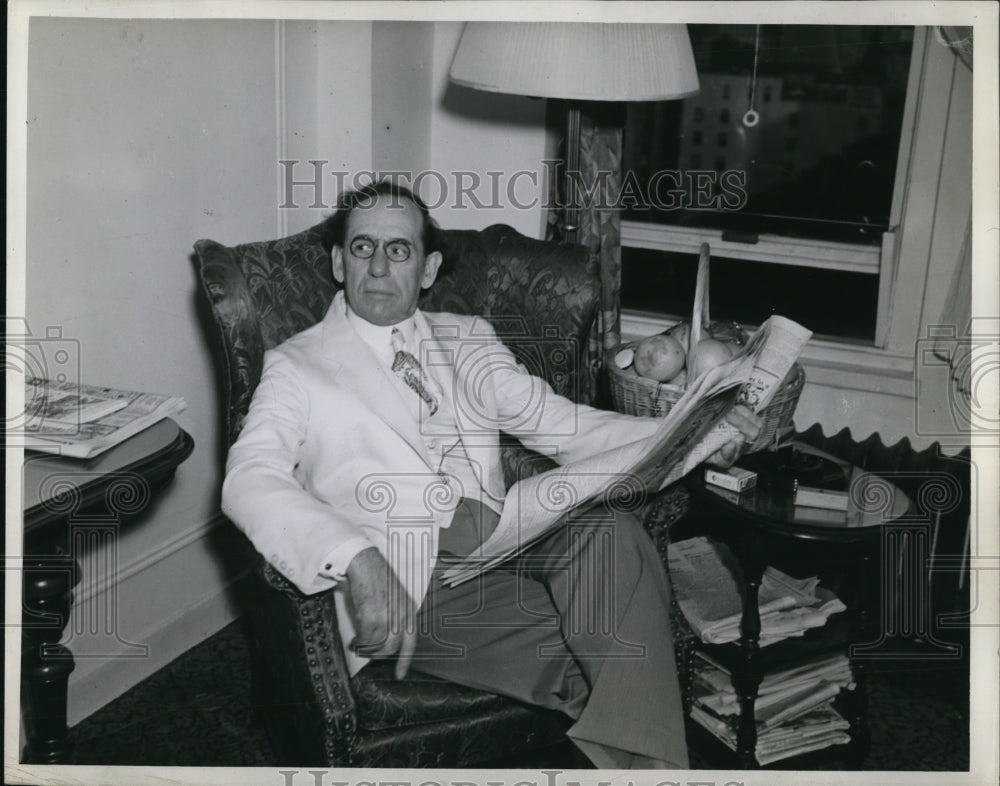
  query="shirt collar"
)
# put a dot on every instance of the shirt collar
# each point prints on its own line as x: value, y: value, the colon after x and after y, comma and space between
x: 377, y: 337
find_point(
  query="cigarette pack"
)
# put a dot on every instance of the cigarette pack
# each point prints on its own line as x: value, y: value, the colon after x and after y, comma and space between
x: 735, y: 497
x: 734, y: 478
x: 820, y: 498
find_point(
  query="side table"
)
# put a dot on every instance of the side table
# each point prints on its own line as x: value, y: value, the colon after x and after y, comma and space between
x: 762, y: 526
x: 63, y: 498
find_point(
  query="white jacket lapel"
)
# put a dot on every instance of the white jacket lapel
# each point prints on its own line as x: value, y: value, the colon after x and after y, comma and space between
x: 362, y: 371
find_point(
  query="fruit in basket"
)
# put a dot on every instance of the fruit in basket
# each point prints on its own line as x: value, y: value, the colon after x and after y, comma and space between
x: 711, y: 353
x: 659, y: 357
x: 682, y: 332
x: 624, y: 358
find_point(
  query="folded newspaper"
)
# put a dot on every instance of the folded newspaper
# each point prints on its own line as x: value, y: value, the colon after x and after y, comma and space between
x: 692, y: 431
x: 82, y: 421
x: 819, y: 728
x: 782, y: 696
x: 793, y: 710
x: 704, y: 578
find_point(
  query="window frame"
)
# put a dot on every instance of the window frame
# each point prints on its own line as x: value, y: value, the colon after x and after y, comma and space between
x: 885, y: 365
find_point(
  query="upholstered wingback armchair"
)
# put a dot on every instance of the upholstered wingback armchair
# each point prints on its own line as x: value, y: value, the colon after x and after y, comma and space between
x: 542, y: 299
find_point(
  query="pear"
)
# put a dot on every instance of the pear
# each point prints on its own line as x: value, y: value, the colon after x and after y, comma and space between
x: 682, y: 332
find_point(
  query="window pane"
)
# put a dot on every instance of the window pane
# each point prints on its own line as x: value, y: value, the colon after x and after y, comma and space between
x: 821, y: 161
x: 828, y: 302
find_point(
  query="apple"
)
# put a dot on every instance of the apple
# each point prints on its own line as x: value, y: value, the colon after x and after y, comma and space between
x: 659, y: 357
x: 711, y: 353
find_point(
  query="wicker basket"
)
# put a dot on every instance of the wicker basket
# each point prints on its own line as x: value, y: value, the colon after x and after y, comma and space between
x: 635, y: 395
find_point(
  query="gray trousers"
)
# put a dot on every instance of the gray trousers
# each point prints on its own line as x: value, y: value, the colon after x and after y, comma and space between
x: 578, y: 623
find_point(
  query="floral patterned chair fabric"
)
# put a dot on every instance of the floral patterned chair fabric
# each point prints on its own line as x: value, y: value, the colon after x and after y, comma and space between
x: 542, y: 299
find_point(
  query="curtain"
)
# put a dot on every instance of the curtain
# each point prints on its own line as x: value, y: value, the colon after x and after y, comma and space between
x: 601, y: 132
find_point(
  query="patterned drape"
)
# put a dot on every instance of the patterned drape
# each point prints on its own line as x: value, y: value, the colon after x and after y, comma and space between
x: 601, y: 128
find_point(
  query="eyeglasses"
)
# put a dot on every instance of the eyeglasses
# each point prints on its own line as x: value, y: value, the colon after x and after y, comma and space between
x: 395, y: 250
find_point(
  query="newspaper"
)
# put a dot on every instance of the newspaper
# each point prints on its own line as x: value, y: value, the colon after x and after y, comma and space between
x: 793, y: 710
x: 802, y: 688
x: 82, y: 421
x: 704, y: 577
x: 776, y: 703
x: 820, y: 728
x: 691, y: 432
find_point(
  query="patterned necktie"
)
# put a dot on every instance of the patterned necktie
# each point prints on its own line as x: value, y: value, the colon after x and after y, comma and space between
x: 408, y: 368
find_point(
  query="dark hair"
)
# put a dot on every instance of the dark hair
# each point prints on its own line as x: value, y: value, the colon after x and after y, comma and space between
x: 335, y: 227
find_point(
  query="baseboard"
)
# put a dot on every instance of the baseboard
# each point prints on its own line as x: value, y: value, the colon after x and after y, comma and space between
x: 97, y: 681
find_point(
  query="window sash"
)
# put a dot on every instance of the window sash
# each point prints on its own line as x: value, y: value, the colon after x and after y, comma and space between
x: 802, y: 252
x: 881, y: 260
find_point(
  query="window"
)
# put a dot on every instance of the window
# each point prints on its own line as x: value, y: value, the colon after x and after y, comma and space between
x: 809, y: 187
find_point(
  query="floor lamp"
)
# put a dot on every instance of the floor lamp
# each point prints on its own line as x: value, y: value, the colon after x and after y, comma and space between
x: 583, y: 63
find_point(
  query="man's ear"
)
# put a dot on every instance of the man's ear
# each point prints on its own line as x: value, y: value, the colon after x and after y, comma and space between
x: 337, y: 256
x: 431, y: 264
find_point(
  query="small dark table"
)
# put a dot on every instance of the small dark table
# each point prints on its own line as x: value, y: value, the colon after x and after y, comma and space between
x: 762, y: 526
x: 65, y: 502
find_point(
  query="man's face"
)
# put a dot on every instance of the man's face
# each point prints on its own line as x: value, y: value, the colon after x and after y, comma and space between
x: 384, y: 288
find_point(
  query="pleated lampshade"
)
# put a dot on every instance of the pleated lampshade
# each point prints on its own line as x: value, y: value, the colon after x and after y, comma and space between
x: 577, y: 60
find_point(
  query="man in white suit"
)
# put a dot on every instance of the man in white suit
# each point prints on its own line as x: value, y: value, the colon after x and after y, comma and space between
x: 362, y: 467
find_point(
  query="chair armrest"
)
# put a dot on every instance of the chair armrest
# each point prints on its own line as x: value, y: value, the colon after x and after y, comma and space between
x: 519, y: 462
x: 305, y: 683
x: 662, y: 511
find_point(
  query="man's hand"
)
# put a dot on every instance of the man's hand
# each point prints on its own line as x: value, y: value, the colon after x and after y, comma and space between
x: 386, y: 614
x: 749, y: 427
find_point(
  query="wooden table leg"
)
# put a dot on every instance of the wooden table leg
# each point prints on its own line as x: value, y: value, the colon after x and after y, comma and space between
x: 46, y: 664
x: 750, y: 675
x: 857, y: 699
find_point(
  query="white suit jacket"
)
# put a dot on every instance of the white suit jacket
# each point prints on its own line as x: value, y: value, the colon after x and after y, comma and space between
x: 330, y: 460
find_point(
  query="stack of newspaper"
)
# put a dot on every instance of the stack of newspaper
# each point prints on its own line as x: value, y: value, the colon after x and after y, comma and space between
x: 793, y: 709
x: 704, y: 575
x: 83, y: 421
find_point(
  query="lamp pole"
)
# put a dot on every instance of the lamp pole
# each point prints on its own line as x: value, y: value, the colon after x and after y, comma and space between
x: 571, y: 220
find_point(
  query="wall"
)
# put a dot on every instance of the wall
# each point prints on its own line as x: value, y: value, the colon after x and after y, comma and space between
x: 480, y: 132
x: 402, y: 96
x: 143, y: 137
x: 436, y: 132
x: 325, y: 114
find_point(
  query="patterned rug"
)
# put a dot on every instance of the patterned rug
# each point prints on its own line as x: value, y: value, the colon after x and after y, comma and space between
x: 197, y: 711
